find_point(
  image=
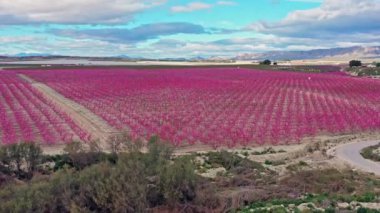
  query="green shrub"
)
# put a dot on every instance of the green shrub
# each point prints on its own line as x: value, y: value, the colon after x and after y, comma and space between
x: 231, y: 162
x: 268, y: 162
x: 367, y: 197
x: 365, y: 210
x: 266, y: 62
x: 21, y: 159
x: 369, y: 153
x: 136, y: 182
x: 330, y: 210
x: 355, y: 63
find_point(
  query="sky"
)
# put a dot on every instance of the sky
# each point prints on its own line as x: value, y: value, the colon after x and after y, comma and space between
x: 184, y: 28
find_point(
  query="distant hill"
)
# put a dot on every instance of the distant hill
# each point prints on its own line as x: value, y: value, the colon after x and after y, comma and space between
x: 24, y: 55
x: 349, y: 53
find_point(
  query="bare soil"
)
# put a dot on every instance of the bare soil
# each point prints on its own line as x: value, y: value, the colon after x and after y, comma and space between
x: 310, y: 154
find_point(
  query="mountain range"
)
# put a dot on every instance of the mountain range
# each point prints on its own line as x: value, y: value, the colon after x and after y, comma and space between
x: 347, y: 53
x: 357, y: 52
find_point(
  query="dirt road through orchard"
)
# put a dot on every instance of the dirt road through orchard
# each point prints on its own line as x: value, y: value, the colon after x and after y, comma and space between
x: 94, y: 125
x: 350, y: 153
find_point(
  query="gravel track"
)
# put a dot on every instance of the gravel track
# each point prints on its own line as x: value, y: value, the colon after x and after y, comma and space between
x: 96, y: 126
x: 350, y: 153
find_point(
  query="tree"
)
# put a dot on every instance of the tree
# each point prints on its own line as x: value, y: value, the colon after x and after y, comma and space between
x: 139, y: 180
x: 377, y: 64
x: 21, y: 159
x: 80, y: 156
x: 266, y: 62
x: 355, y: 63
x: 32, y: 157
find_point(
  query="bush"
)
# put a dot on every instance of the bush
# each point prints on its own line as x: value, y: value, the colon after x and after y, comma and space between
x: 268, y: 162
x: 178, y: 181
x: 136, y: 182
x: 355, y: 63
x: 369, y: 153
x: 365, y: 210
x: 21, y: 159
x: 332, y: 181
x: 232, y: 162
x: 79, y: 157
x: 266, y: 62
x: 367, y: 197
x: 121, y: 142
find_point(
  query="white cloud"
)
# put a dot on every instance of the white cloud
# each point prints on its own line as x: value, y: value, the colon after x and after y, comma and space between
x: 228, y: 3
x: 335, y: 23
x: 17, y: 39
x: 72, y: 11
x: 192, y: 6
x: 195, y: 6
x: 77, y: 47
x: 171, y: 47
x: 332, y: 18
x: 312, y: 1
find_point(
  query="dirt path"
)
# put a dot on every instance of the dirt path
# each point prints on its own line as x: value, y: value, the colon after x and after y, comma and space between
x: 350, y: 153
x: 87, y: 120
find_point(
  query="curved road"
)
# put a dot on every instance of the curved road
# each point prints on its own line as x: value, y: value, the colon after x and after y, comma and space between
x: 350, y: 153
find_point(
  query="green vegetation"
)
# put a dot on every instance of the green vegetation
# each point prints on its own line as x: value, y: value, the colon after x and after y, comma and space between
x: 323, y: 190
x: 355, y: 63
x: 268, y: 150
x: 371, y: 153
x: 294, y: 68
x: 365, y: 210
x: 20, y: 160
x: 289, y: 68
x: 331, y: 181
x: 373, y: 70
x: 297, y: 166
x: 78, y: 157
x: 268, y: 162
x: 314, y: 203
x: 366, y: 71
x: 132, y: 182
x: 274, y: 163
x: 84, y: 179
x: 281, y: 204
x: 231, y: 162
x: 265, y: 62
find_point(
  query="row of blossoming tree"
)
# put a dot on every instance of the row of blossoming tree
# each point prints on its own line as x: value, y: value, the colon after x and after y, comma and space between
x: 224, y: 106
x: 26, y: 115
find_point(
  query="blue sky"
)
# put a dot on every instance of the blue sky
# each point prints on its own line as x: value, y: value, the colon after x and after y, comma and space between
x: 184, y: 28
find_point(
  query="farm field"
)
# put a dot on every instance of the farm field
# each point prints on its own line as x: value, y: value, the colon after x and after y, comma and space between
x: 27, y: 116
x: 220, y: 106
